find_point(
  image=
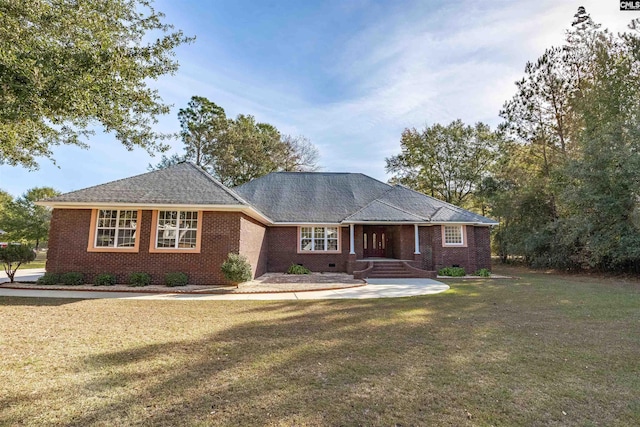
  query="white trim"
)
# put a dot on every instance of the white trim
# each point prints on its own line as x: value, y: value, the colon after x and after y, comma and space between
x: 352, y: 249
x: 326, y: 239
x: 247, y: 210
x: 463, y: 235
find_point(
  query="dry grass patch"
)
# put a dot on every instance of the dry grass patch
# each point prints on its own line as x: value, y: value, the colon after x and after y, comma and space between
x: 542, y: 350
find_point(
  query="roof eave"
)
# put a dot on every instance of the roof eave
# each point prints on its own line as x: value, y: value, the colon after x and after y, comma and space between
x: 246, y: 209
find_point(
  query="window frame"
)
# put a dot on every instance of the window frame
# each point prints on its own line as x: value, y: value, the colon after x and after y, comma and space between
x: 93, y: 231
x: 463, y: 236
x: 153, y: 241
x: 313, y: 239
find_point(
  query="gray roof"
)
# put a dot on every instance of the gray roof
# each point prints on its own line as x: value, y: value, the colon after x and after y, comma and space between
x: 183, y: 183
x: 289, y: 197
x: 346, y: 197
x: 431, y: 208
x: 381, y: 211
x: 311, y: 196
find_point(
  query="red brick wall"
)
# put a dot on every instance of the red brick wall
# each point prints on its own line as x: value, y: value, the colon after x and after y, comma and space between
x: 253, y: 244
x: 69, y: 234
x: 476, y: 255
x: 271, y: 249
x: 283, y: 251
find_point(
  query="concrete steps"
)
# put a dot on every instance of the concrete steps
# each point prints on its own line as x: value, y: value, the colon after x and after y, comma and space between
x: 391, y: 270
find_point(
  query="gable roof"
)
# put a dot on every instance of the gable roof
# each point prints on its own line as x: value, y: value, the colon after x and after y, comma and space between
x: 279, y: 197
x: 381, y: 211
x: 320, y: 197
x: 180, y: 184
x: 434, y: 210
x: 311, y: 197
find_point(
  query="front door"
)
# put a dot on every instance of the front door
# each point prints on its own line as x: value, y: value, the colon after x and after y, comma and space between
x: 375, y: 241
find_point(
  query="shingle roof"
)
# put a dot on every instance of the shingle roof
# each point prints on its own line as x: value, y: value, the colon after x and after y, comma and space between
x: 350, y: 197
x: 311, y: 196
x: 183, y: 183
x: 284, y: 197
x: 433, y: 209
x: 380, y: 211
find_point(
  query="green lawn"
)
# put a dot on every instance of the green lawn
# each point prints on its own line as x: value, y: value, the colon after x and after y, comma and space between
x: 39, y: 262
x: 543, y: 350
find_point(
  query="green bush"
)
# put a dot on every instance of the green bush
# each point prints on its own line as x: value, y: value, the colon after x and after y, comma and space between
x: 139, y: 279
x: 49, y: 279
x: 298, y: 269
x: 105, y: 279
x: 483, y: 272
x: 72, y: 279
x: 176, y: 279
x: 13, y: 256
x: 236, y: 268
x: 452, y: 271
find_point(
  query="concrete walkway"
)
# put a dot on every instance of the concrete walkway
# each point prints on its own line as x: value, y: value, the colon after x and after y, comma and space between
x: 375, y: 288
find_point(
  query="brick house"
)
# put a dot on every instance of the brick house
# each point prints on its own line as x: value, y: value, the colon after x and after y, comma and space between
x: 180, y: 219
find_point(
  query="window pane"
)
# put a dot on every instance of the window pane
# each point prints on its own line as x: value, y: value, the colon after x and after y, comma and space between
x: 318, y: 245
x: 332, y: 244
x: 453, y: 234
x: 105, y: 238
x: 166, y: 238
x: 126, y: 238
x: 319, y: 232
x: 187, y: 239
x: 305, y: 232
x: 306, y: 244
x: 364, y: 240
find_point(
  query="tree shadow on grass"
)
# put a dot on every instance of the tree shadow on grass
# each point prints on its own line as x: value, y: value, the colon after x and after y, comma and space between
x: 36, y: 302
x: 440, y: 360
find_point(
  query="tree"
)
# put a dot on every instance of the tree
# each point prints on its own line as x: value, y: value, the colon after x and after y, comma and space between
x: 13, y: 256
x: 447, y: 162
x: 300, y: 155
x: 247, y: 150
x: 203, y: 124
x: 23, y: 220
x: 573, y: 172
x: 67, y: 66
x: 166, y: 161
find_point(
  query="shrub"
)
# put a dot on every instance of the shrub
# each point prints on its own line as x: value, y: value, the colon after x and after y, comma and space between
x: 139, y: 279
x: 298, y: 269
x: 13, y: 256
x: 49, y: 279
x: 452, y: 271
x: 236, y: 268
x: 72, y: 279
x: 483, y: 272
x: 175, y: 279
x: 105, y: 279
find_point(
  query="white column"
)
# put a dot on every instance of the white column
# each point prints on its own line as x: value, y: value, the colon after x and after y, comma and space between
x: 416, y: 239
x: 352, y: 249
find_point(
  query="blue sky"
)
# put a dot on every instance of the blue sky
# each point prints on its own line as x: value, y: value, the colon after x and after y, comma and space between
x: 348, y: 75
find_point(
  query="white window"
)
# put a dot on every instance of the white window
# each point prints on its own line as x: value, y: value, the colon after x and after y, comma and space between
x: 116, y: 228
x: 177, y: 230
x: 318, y: 239
x: 453, y: 235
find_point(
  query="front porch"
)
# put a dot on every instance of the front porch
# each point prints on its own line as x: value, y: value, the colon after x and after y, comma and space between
x: 386, y: 251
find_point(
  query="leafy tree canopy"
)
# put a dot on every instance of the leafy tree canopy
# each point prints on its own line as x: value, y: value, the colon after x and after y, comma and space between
x: 237, y: 150
x: 447, y: 162
x: 66, y: 66
x: 25, y: 221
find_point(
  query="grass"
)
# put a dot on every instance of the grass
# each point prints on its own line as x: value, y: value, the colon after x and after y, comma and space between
x: 39, y: 262
x: 542, y: 350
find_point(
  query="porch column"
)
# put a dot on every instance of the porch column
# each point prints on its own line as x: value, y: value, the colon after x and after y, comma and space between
x: 352, y: 249
x: 416, y: 239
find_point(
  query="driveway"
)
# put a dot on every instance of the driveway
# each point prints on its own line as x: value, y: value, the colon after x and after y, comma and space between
x: 375, y: 288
